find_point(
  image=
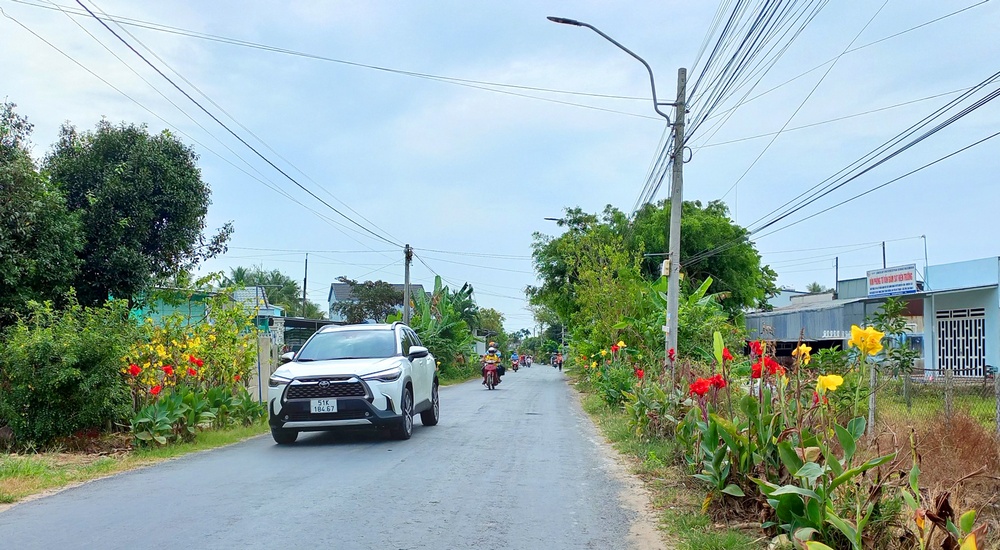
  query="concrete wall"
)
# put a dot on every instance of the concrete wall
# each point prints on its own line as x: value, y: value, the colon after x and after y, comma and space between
x: 988, y: 298
x: 982, y: 272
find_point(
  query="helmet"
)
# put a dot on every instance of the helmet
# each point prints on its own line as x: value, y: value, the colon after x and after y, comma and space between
x: 493, y: 345
x: 492, y: 350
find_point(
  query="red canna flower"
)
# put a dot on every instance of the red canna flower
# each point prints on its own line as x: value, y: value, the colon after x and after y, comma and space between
x: 671, y: 354
x: 755, y: 348
x: 773, y: 367
x: 155, y: 390
x: 700, y: 387
x: 199, y: 362
x: 640, y: 373
x: 191, y: 358
x: 134, y: 369
x: 236, y: 378
x: 192, y: 372
x: 614, y: 348
x: 756, y: 368
x: 168, y: 370
x: 726, y: 356
x: 717, y: 381
x: 826, y: 401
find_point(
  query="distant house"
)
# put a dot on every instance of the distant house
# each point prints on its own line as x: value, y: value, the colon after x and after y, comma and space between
x: 341, y: 292
x: 193, y: 306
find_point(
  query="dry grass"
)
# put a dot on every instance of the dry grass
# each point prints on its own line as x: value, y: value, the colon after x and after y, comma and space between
x: 960, y: 457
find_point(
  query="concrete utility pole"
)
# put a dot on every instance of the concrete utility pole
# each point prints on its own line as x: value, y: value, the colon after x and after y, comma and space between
x: 676, y: 187
x: 407, y: 257
x: 305, y: 279
x: 676, y: 205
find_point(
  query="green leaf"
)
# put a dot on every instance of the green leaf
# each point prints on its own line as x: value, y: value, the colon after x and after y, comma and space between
x: 847, y: 441
x: 620, y: 325
x: 814, y: 545
x: 844, y: 527
x: 734, y: 490
x: 718, y: 346
x: 848, y: 474
x: 857, y: 427
x: 810, y: 471
x: 789, y: 457
x: 794, y: 490
x: 915, y: 478
x: 832, y: 461
x: 967, y: 521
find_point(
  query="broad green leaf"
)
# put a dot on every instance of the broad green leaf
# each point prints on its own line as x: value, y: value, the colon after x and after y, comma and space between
x: 620, y: 325
x: 810, y: 471
x: 915, y: 478
x: 844, y: 527
x: 734, y: 490
x: 804, y: 533
x: 848, y: 474
x: 718, y: 345
x: 789, y: 457
x: 814, y: 545
x: 857, y: 427
x: 814, y: 511
x: 794, y: 490
x: 847, y: 441
x: 967, y: 520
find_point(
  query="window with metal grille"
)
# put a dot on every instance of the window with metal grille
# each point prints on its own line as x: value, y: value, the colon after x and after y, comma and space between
x: 962, y: 341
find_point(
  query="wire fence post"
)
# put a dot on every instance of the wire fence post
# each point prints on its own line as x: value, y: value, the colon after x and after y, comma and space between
x: 996, y: 399
x: 949, y: 394
x: 907, y: 391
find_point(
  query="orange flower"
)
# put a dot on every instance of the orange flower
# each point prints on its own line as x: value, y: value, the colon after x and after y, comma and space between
x: 236, y: 378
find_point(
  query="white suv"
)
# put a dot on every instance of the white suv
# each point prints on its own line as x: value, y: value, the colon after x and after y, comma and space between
x: 354, y: 375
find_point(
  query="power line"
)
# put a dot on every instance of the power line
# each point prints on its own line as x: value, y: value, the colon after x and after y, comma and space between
x: 231, y: 132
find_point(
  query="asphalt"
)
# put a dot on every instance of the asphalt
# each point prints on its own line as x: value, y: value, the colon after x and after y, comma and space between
x: 519, y: 467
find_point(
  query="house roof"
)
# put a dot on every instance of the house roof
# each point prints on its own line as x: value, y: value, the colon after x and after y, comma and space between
x: 254, y: 296
x: 341, y: 292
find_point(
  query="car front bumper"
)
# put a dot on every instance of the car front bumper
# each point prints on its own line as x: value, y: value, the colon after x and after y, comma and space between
x: 378, y: 407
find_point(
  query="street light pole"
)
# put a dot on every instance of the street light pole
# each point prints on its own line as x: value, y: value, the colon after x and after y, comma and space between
x: 676, y: 187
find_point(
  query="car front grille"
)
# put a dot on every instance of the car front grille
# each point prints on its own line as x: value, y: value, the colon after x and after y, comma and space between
x: 325, y: 387
x: 309, y: 417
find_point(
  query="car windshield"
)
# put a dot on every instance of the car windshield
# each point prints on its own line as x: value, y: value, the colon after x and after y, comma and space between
x: 349, y: 344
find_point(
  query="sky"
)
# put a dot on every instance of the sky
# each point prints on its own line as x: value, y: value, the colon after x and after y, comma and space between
x: 457, y: 127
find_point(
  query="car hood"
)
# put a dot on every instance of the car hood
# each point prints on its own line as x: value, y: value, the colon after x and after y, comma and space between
x: 358, y: 367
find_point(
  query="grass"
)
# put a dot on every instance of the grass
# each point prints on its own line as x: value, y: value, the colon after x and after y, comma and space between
x: 927, y: 403
x: 676, y: 499
x: 22, y: 476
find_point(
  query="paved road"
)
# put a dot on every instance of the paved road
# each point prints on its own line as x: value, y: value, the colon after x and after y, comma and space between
x: 514, y: 468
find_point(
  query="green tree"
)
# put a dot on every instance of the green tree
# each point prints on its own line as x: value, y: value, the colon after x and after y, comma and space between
x: 39, y: 237
x: 736, y: 267
x: 372, y: 300
x: 281, y: 290
x: 142, y: 205
x: 489, y: 322
x: 815, y: 287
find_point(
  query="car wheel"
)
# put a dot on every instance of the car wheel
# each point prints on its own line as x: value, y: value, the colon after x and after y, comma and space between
x: 430, y: 416
x: 284, y: 437
x: 405, y: 428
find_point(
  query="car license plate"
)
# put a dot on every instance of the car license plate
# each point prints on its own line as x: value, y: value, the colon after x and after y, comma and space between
x: 321, y: 406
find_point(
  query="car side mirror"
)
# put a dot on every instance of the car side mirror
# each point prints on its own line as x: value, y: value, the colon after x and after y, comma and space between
x: 416, y: 352
x: 286, y: 357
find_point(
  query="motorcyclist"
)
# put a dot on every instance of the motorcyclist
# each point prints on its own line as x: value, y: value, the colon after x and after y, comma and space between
x: 513, y: 358
x: 559, y: 360
x: 492, y: 357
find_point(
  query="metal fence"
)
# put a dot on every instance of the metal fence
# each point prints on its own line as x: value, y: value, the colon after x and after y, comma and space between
x: 927, y: 396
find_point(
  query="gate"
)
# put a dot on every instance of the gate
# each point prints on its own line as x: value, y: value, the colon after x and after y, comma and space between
x: 962, y: 341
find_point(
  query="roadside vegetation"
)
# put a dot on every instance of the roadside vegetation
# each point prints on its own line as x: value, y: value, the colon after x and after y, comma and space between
x: 740, y: 446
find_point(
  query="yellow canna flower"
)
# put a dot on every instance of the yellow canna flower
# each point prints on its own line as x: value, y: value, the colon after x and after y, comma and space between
x: 593, y: 365
x: 802, y: 352
x: 918, y: 517
x: 867, y: 340
x: 828, y: 382
x: 621, y: 343
x: 604, y: 352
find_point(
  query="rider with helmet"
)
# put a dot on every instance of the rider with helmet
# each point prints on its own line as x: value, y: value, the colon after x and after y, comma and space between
x: 492, y: 357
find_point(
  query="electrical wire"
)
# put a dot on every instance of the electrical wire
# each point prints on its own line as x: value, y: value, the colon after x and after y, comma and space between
x: 233, y: 133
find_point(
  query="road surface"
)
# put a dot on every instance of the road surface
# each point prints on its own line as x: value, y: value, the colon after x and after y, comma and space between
x: 520, y: 467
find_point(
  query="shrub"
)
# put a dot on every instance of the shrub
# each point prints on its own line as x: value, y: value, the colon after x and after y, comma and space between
x: 60, y: 370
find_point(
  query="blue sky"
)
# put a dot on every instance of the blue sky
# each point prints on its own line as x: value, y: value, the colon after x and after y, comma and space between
x: 466, y: 174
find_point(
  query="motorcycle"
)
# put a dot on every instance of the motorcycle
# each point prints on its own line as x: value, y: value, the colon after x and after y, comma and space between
x: 491, y: 378
x: 513, y: 365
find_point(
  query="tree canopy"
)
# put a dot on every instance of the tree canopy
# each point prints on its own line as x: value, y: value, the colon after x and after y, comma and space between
x: 281, y: 290
x: 39, y: 237
x: 141, y: 203
x: 596, y: 250
x: 372, y: 300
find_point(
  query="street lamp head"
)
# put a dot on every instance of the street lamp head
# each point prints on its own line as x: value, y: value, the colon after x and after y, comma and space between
x: 565, y: 21
x: 552, y: 219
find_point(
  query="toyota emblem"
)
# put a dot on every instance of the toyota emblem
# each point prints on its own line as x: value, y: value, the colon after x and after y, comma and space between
x: 324, y: 383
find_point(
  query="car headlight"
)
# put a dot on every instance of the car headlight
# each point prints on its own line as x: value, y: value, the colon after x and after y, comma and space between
x: 388, y: 375
x: 274, y: 381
